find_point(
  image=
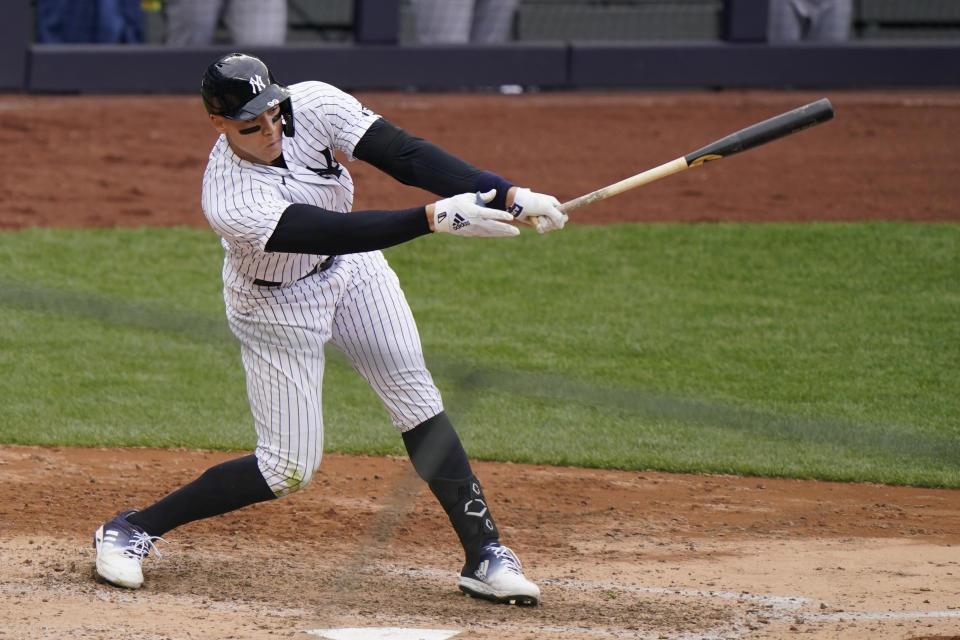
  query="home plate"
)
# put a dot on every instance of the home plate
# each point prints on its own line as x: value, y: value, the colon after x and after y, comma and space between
x: 383, y: 633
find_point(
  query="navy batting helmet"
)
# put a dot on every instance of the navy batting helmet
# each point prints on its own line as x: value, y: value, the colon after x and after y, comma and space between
x: 241, y: 87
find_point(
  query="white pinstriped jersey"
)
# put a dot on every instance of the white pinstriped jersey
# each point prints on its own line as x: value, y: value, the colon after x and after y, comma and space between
x: 356, y: 305
x: 243, y: 200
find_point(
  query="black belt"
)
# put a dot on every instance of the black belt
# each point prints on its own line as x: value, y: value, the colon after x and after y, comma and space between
x: 319, y: 268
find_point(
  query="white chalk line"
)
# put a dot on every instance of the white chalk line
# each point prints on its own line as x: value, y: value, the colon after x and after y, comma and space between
x: 776, y: 608
x: 786, y: 602
x: 788, y: 606
x: 383, y: 633
x: 791, y: 602
x: 843, y: 616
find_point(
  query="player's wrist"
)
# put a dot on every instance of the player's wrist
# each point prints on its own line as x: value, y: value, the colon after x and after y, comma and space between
x: 488, y: 180
x: 510, y: 199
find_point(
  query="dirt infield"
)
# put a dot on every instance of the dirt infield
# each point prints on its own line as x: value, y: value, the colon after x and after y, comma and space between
x: 132, y: 161
x: 617, y: 554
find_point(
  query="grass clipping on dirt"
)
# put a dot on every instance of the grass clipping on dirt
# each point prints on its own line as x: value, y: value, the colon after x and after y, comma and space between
x: 804, y: 350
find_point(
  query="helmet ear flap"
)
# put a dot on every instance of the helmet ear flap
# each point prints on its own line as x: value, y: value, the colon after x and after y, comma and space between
x: 286, y: 113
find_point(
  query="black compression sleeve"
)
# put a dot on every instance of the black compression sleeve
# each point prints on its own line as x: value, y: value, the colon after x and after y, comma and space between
x: 304, y: 228
x: 436, y: 451
x: 222, y: 488
x: 419, y: 163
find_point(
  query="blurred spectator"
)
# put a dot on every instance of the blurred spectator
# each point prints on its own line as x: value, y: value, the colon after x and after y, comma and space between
x: 77, y: 21
x: 809, y: 20
x: 462, y: 21
x: 250, y: 22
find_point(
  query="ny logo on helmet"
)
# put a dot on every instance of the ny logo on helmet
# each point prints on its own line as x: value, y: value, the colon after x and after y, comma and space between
x: 257, y: 84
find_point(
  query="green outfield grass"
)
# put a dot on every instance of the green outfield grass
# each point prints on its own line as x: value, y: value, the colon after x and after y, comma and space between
x: 817, y: 350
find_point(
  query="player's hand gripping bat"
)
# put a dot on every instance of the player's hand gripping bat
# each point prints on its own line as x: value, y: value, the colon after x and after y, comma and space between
x: 755, y: 135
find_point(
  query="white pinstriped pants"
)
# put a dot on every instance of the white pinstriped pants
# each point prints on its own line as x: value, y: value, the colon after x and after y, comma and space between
x: 356, y: 305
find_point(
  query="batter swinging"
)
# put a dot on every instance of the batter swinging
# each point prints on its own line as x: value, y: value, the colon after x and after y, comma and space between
x: 301, y: 270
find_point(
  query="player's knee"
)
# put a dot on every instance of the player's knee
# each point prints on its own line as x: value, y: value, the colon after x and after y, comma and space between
x: 289, y: 477
x: 292, y: 481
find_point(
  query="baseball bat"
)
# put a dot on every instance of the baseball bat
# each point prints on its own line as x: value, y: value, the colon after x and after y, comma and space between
x: 755, y: 135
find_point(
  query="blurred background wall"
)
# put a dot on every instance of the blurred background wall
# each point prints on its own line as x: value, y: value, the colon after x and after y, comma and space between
x: 68, y: 46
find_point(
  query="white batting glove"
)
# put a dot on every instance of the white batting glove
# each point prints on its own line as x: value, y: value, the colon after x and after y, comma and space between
x: 465, y: 215
x: 541, y: 211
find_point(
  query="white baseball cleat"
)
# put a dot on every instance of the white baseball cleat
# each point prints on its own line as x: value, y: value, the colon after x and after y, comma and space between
x: 498, y: 576
x: 121, y: 547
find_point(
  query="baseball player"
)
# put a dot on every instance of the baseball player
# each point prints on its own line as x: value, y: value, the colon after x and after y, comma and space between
x: 301, y: 270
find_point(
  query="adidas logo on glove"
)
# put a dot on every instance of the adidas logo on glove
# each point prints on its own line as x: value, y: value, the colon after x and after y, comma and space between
x: 465, y: 214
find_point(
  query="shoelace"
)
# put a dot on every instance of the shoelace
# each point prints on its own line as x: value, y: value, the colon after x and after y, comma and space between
x: 509, y: 560
x: 141, y: 544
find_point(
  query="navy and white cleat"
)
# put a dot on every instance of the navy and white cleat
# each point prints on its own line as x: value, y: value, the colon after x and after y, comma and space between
x: 498, y: 576
x: 121, y: 548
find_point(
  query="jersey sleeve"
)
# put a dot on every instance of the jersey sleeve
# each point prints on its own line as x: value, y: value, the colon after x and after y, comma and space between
x: 340, y: 116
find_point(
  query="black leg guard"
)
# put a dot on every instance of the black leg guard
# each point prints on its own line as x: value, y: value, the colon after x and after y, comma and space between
x: 438, y: 456
x: 469, y: 514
